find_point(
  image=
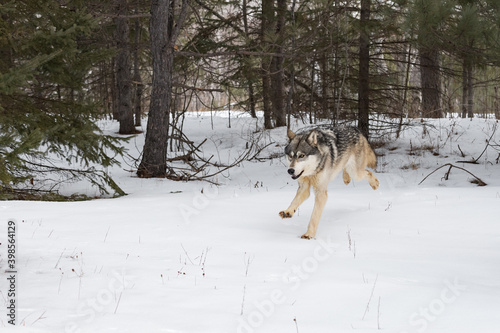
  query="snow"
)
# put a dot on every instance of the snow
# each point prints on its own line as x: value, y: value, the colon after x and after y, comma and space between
x: 194, y: 257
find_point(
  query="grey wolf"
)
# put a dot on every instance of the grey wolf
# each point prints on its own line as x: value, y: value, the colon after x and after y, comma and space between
x: 316, y: 156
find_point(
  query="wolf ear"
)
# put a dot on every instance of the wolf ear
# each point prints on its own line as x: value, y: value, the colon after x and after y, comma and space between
x: 290, y: 134
x: 312, y: 139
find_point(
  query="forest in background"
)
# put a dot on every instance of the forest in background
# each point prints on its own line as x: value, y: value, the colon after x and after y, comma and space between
x: 64, y: 65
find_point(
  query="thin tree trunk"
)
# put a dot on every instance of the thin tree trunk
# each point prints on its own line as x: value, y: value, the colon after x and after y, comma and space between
x: 137, y: 76
x: 278, y: 89
x: 464, y: 89
x: 292, y: 73
x: 324, y: 70
x: 336, y: 91
x: 248, y: 75
x: 123, y: 80
x: 266, y: 24
x: 405, y: 93
x: 324, y: 85
x: 113, y: 93
x: 470, y: 92
x: 251, y: 100
x: 496, y: 104
x: 311, y: 103
x: 364, y: 70
x: 266, y: 99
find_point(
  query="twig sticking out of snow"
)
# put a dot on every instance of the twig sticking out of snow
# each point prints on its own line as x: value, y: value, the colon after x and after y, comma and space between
x: 106, y: 236
x: 370, y: 299
x: 58, y: 260
x: 118, y: 303
x: 39, y: 318
x: 378, y: 314
x: 247, y: 262
x: 187, y: 255
x: 296, y: 325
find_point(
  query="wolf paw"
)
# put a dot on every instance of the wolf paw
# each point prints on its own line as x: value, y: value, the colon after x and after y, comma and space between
x: 307, y: 236
x: 346, y: 178
x: 285, y: 214
x: 375, y: 184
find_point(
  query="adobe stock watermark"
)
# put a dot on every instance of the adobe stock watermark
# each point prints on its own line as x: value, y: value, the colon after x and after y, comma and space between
x: 199, y: 203
x: 89, y: 308
x: 422, y: 318
x: 293, y: 278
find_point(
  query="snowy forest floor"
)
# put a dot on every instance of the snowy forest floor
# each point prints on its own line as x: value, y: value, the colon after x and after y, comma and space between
x: 195, y: 257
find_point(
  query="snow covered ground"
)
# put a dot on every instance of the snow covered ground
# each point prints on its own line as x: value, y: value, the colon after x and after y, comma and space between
x: 194, y: 257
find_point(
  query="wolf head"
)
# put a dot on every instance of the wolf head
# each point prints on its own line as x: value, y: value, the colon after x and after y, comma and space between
x: 302, y: 153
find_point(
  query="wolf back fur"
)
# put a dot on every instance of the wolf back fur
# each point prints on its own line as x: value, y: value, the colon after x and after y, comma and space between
x: 316, y: 156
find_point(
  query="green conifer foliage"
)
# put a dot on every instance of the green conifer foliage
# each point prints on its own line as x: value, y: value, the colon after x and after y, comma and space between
x: 47, y: 110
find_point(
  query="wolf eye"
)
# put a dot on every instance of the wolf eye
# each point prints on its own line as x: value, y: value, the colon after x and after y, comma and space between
x: 301, y: 155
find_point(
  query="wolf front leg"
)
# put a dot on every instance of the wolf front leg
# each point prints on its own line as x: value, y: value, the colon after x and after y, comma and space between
x: 303, y: 193
x: 319, y: 203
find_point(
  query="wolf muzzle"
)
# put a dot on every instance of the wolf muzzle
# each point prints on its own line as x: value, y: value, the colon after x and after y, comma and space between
x: 291, y: 172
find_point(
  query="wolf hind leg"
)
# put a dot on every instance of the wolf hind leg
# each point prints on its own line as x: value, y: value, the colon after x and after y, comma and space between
x: 372, y: 180
x: 361, y: 173
x: 346, y: 177
x: 355, y: 167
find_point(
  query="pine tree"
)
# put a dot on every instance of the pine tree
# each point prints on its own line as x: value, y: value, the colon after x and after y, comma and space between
x: 46, y: 110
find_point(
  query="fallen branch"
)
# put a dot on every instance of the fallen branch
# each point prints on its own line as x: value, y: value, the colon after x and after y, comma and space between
x: 479, y: 182
x: 188, y: 157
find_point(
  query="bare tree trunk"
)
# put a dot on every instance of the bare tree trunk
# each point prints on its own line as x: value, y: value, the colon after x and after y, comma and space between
x: 266, y: 99
x: 324, y: 85
x: 496, y: 104
x: 114, y: 87
x: 267, y: 19
x: 292, y: 73
x: 467, y: 90
x: 430, y: 83
x: 464, y: 89
x: 311, y: 102
x: 404, y: 104
x: 278, y: 88
x: 139, y: 87
x: 324, y: 72
x: 123, y: 80
x: 251, y: 100
x: 277, y: 92
x: 163, y: 36
x: 336, y: 71
x: 364, y: 70
x: 251, y: 95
